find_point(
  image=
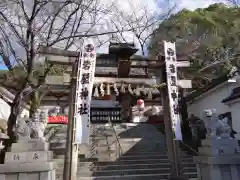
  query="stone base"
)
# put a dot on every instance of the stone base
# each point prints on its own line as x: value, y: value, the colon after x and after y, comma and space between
x: 28, y: 160
x: 28, y: 171
x: 219, y: 142
x: 30, y: 145
x: 28, y: 157
x: 218, y: 147
x: 218, y: 167
x: 178, y: 178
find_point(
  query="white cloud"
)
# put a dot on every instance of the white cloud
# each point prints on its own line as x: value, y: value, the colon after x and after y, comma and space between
x: 194, y: 4
x: 128, y: 8
x: 154, y: 6
x: 133, y: 10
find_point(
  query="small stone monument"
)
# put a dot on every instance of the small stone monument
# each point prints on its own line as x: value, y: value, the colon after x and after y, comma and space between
x: 29, y: 158
x: 54, y: 111
x: 218, y: 156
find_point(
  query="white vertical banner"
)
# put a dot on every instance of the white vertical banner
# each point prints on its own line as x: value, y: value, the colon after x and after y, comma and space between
x: 171, y: 70
x: 85, y: 80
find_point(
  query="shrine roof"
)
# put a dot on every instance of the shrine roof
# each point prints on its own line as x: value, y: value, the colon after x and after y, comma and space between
x: 214, y: 83
x: 234, y: 95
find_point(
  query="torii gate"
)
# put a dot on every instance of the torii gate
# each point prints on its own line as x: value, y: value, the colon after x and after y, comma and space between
x: 70, y: 57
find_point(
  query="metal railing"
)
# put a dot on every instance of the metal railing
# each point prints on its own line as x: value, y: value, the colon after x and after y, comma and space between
x: 93, y: 147
x: 189, y: 148
x: 119, y: 150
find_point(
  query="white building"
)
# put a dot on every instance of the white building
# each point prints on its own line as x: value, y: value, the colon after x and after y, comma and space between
x: 220, y: 95
x: 7, y: 97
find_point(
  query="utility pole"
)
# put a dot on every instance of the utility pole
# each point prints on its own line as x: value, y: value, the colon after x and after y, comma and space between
x: 68, y: 172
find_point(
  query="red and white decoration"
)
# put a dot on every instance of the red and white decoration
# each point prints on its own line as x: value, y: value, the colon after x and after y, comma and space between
x: 140, y: 104
x: 171, y: 70
x: 57, y: 119
x: 85, y: 80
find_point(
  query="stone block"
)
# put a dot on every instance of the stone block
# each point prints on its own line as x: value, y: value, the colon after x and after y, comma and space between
x: 28, y: 157
x: 11, y: 177
x: 213, y: 151
x: 30, y: 145
x: 23, y: 176
x: 2, y: 176
x: 219, y: 167
x: 230, y: 159
x: 220, y: 142
x: 33, y: 176
x: 26, y: 167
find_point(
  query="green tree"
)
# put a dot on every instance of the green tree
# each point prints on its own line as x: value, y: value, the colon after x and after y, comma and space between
x: 209, y: 38
x: 206, y: 37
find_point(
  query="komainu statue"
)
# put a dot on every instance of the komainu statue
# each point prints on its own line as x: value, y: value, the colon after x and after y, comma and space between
x: 223, y: 129
x: 21, y: 129
x: 210, y: 122
x: 215, y: 127
x: 31, y: 128
x: 38, y: 124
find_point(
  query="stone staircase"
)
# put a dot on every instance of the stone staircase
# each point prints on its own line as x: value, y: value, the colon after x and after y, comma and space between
x: 56, y: 137
x: 143, y: 155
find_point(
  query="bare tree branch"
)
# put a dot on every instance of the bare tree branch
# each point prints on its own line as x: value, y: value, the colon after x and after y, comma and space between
x: 142, y: 26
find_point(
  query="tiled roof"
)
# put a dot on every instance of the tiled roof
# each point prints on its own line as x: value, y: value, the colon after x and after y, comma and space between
x: 234, y: 95
x: 211, y: 85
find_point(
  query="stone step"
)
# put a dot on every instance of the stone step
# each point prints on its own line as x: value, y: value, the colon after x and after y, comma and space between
x: 157, y: 176
x: 134, y: 166
x: 150, y: 153
x: 142, y: 161
x: 60, y: 141
x: 145, y: 171
x: 154, y: 156
x: 91, y: 170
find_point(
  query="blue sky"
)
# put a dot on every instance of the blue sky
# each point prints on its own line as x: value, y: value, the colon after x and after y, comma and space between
x: 2, y: 66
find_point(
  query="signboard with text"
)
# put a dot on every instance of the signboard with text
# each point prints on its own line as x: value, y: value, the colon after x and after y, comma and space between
x: 172, y: 81
x: 85, y: 80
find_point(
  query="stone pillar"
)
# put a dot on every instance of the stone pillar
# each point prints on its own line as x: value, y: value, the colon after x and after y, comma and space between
x: 126, y: 107
x: 218, y: 160
x: 29, y: 159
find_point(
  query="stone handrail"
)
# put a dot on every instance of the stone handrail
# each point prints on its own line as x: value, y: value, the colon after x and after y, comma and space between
x: 51, y: 132
x: 119, y: 148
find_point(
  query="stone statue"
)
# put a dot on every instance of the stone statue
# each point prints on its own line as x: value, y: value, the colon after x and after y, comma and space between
x: 215, y: 127
x: 210, y: 122
x: 43, y: 121
x: 27, y: 128
x: 55, y: 111
x: 3, y: 126
x: 36, y: 126
x: 223, y: 129
x: 22, y: 129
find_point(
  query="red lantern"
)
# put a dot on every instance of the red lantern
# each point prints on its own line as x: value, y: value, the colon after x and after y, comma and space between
x: 140, y: 104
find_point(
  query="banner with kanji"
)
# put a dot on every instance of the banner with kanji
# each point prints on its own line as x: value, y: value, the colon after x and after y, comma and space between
x: 84, y: 86
x: 171, y: 70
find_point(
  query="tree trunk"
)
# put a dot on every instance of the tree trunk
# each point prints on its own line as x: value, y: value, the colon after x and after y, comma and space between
x: 11, y: 124
x: 35, y: 103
